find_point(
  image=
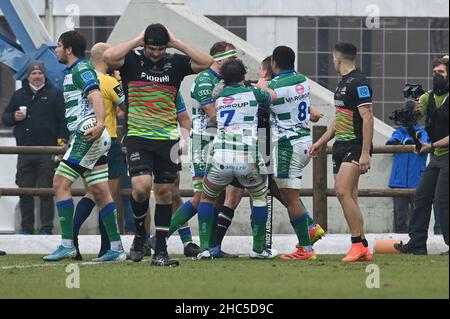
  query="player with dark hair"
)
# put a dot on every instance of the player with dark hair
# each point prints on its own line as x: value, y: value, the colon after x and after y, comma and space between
x: 88, y: 146
x: 235, y: 190
x: 236, y: 155
x: 151, y: 78
x: 204, y: 127
x: 353, y: 133
x: 292, y: 138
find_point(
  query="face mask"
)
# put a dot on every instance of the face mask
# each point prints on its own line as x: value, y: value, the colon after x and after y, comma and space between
x: 440, y: 84
x: 37, y: 88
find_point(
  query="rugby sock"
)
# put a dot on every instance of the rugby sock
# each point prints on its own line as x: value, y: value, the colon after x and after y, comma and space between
x: 105, y: 244
x: 224, y: 219
x: 311, y: 222
x: 185, y: 235
x: 65, y: 212
x: 205, y: 224
x: 364, y: 242
x: 109, y: 218
x: 356, y: 239
x: 163, y: 214
x: 259, y: 220
x: 82, y: 212
x: 128, y: 212
x: 300, y: 225
x: 181, y: 216
x: 139, y: 211
x: 212, y: 239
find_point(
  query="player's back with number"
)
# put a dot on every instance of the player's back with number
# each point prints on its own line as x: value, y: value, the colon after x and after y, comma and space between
x: 237, y: 116
x: 291, y: 111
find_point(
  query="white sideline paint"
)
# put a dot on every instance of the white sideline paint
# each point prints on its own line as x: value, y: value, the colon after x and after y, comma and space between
x: 90, y: 244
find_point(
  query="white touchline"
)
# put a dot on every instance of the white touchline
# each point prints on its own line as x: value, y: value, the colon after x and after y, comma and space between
x: 62, y: 265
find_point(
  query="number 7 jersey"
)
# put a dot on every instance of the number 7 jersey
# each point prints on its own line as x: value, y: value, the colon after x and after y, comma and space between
x: 290, y: 112
x: 237, y: 116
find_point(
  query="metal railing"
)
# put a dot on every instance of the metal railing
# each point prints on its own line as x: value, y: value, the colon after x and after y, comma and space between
x: 319, y: 192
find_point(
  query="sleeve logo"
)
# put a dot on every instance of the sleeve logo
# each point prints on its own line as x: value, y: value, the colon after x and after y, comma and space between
x: 118, y: 91
x: 87, y: 76
x: 363, y: 91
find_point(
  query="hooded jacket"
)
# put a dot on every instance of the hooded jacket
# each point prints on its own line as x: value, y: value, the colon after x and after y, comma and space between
x: 407, y: 167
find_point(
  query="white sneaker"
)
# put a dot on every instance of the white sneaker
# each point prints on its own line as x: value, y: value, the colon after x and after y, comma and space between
x: 265, y: 254
x: 204, y: 255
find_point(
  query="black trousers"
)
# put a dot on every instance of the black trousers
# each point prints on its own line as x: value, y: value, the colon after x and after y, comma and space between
x: 36, y: 170
x: 403, y: 208
x: 433, y: 185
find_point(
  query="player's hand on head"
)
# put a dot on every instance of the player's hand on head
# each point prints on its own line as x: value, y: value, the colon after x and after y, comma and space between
x: 141, y: 38
x: 172, y: 39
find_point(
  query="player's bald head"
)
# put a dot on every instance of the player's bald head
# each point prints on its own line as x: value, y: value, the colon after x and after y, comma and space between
x: 97, y: 51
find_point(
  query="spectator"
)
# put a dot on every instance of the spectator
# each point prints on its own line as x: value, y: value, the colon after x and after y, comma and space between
x: 37, y: 112
x: 406, y: 171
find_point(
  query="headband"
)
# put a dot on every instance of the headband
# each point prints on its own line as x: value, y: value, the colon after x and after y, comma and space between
x: 225, y: 55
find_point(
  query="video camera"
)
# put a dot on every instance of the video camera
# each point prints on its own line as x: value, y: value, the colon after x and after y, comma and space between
x: 413, y: 91
x: 407, y: 116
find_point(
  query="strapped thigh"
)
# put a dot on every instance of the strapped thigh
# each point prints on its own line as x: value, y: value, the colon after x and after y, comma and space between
x: 66, y: 171
x: 259, y: 194
x: 96, y: 177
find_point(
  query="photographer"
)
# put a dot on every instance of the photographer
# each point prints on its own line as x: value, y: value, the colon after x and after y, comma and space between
x: 434, y: 181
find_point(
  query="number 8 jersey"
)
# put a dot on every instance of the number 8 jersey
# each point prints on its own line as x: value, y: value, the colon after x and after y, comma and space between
x: 291, y: 110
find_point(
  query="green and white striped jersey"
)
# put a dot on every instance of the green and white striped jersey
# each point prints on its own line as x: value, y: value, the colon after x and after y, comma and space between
x: 290, y: 112
x: 237, y: 117
x: 201, y: 94
x: 80, y: 79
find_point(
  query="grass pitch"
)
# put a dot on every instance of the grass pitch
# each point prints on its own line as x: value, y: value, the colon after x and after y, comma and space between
x: 401, y: 276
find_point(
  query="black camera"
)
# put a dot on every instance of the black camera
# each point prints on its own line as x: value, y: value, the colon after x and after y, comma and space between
x: 407, y: 116
x: 413, y: 91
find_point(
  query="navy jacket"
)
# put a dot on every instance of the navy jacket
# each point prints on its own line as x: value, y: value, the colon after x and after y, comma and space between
x: 407, y: 167
x: 45, y: 121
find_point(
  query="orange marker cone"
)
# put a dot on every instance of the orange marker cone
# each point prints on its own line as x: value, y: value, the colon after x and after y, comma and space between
x: 385, y: 247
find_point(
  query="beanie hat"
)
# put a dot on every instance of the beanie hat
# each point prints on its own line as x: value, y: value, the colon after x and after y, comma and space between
x: 35, y: 65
